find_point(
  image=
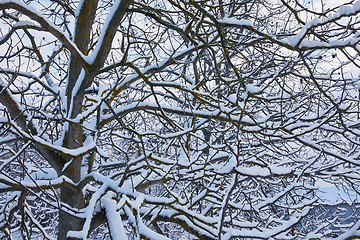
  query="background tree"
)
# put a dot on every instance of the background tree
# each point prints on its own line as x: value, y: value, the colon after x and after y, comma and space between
x: 168, y: 119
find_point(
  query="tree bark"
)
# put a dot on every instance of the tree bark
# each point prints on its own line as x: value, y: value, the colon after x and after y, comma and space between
x: 74, y: 136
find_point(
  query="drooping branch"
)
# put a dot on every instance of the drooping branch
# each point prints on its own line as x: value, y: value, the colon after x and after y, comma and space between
x: 23, y: 121
x: 49, y: 26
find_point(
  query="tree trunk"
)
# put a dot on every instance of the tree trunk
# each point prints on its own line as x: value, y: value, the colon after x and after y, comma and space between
x: 74, y: 136
x: 68, y: 222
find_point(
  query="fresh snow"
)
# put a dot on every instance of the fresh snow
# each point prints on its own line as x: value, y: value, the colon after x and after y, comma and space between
x: 343, y: 11
x: 24, y: 23
x: 252, y: 88
x: 115, y: 223
x: 234, y: 21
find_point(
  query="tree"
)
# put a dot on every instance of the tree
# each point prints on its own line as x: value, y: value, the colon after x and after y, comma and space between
x: 163, y: 119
